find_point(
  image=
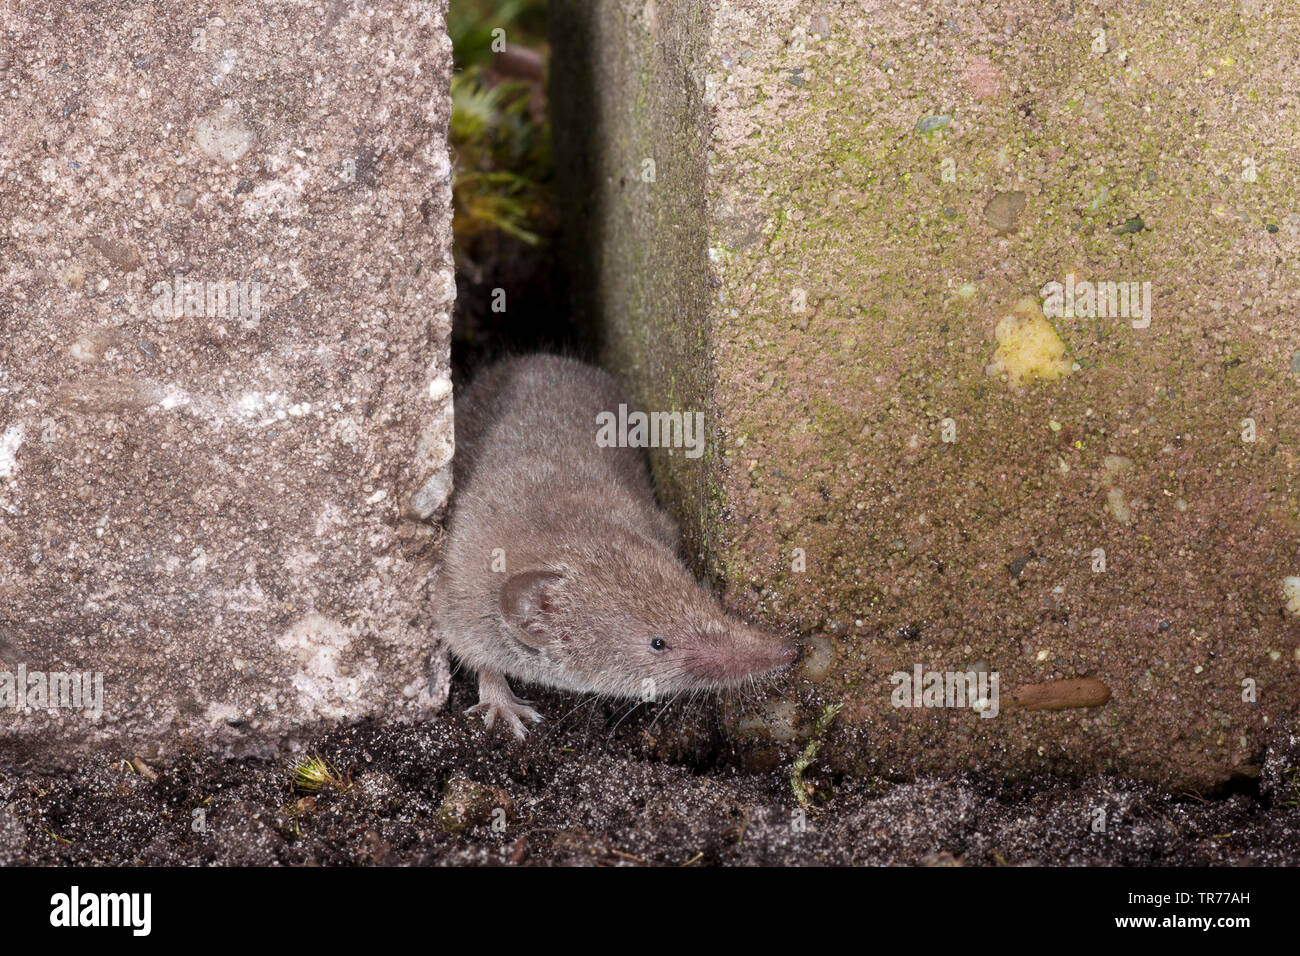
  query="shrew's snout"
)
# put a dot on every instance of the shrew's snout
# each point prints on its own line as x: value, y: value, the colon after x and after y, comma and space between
x: 748, y: 654
x: 772, y: 654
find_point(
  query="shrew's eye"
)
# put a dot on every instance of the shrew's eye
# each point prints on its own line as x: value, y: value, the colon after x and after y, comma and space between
x: 659, y: 644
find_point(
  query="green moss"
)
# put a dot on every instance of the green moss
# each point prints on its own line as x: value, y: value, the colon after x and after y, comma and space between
x: 502, y: 153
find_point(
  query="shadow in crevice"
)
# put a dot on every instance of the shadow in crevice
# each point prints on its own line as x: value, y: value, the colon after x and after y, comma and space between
x: 576, y: 142
x: 509, y: 299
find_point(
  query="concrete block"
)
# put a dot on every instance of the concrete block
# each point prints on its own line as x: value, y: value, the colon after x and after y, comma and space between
x: 868, y: 239
x: 225, y: 400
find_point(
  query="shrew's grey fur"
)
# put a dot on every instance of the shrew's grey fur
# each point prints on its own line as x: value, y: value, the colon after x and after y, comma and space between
x: 560, y: 569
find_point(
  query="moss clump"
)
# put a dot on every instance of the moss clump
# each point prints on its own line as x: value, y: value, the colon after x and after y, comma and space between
x: 499, y: 133
x: 803, y: 791
x: 314, y: 773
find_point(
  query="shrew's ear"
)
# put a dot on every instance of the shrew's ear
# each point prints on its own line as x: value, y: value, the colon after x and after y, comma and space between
x: 530, y: 601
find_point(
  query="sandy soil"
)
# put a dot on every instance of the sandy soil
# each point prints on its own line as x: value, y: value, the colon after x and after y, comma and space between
x: 600, y: 787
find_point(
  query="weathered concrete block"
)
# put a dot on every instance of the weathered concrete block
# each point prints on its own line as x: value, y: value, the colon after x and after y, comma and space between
x: 224, y: 383
x: 819, y: 222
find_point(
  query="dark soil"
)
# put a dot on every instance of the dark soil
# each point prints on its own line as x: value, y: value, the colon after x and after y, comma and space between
x: 601, y: 787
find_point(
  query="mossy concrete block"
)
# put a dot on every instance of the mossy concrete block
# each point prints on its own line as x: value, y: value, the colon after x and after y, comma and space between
x: 224, y: 384
x: 834, y: 227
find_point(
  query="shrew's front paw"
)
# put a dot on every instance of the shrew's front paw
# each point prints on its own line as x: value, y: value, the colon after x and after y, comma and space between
x: 512, y: 715
x: 495, y: 699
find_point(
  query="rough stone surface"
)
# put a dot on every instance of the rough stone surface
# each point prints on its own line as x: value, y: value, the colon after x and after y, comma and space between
x: 851, y: 202
x: 224, y: 386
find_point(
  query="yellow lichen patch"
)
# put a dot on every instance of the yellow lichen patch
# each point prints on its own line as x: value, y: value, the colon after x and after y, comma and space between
x: 1291, y: 594
x: 1028, y: 346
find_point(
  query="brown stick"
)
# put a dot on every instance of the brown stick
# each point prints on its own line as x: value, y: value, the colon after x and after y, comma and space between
x: 1057, y: 695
